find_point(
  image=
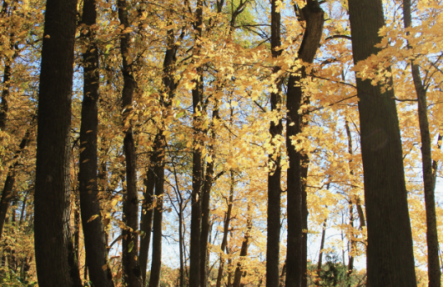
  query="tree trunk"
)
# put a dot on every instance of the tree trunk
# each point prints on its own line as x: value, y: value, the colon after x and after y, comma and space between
x: 181, y: 247
x: 322, y: 245
x: 352, y: 244
x: 206, y: 198
x: 5, y: 93
x: 197, y: 172
x: 313, y: 15
x: 131, y: 267
x: 243, y: 251
x: 305, y: 213
x: 93, y: 230
x: 158, y: 212
x: 22, y: 213
x: 56, y: 264
x: 7, y: 194
x: 434, y: 272
x: 390, y: 259
x: 225, y: 232
x: 169, y: 87
x: 146, y: 220
x: 274, y: 175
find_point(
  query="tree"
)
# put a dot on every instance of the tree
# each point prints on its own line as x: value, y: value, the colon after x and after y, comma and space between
x: 390, y: 259
x: 56, y: 264
x: 130, y: 262
x: 295, y: 260
x: 274, y: 175
x: 429, y: 171
x: 197, y: 170
x: 93, y: 229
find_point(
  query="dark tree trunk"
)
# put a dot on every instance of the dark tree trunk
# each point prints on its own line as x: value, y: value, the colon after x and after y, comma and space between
x: 7, y: 194
x: 181, y: 247
x: 390, y: 259
x: 197, y: 172
x: 243, y: 252
x: 131, y: 267
x: 225, y: 232
x: 158, y: 160
x: 295, y: 263
x: 56, y: 264
x: 159, y: 170
x: 4, y: 106
x: 320, y: 254
x: 274, y: 175
x: 352, y: 244
x: 434, y: 272
x: 146, y: 220
x: 206, y: 198
x: 305, y: 213
x: 93, y: 230
x: 5, y: 94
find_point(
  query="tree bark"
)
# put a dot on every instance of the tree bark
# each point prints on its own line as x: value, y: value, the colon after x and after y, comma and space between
x: 434, y: 272
x: 146, y: 220
x: 313, y: 15
x: 305, y: 213
x: 197, y: 172
x: 352, y: 244
x: 169, y: 87
x: 274, y: 175
x: 390, y: 259
x: 130, y: 264
x: 158, y: 210
x: 225, y: 232
x: 56, y: 264
x: 93, y: 230
x: 4, y: 107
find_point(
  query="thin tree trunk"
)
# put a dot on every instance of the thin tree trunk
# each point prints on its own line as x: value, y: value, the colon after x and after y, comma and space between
x: 320, y: 254
x: 146, y: 220
x: 295, y: 262
x: 434, y: 272
x: 130, y: 264
x: 4, y: 107
x: 229, y: 279
x: 226, y: 231
x: 360, y: 211
x: 305, y: 213
x: 197, y: 172
x: 7, y: 193
x: 206, y: 198
x: 274, y: 175
x: 351, y: 208
x: 158, y: 212
x: 390, y: 261
x: 181, y: 243
x: 55, y: 260
x: 169, y: 87
x: 93, y: 229
x: 22, y: 213
x: 243, y: 251
x: 352, y: 243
